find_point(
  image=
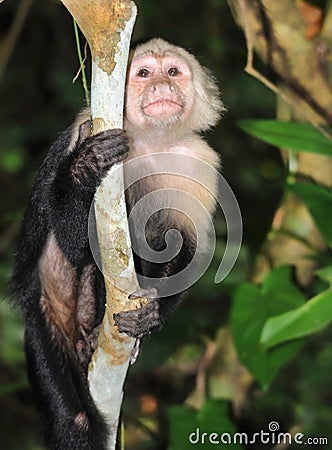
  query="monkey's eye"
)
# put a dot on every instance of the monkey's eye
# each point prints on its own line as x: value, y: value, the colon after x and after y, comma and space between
x: 173, y: 71
x: 143, y: 73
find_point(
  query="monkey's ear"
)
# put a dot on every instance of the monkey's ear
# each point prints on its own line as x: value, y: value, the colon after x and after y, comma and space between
x: 84, y: 132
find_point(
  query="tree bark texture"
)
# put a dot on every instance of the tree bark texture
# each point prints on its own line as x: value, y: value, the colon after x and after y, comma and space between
x: 107, y: 26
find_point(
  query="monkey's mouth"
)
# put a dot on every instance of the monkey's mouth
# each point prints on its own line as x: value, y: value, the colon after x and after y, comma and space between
x: 162, y: 107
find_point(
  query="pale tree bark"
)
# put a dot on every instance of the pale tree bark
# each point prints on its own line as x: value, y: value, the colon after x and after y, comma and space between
x: 301, y: 60
x: 107, y: 26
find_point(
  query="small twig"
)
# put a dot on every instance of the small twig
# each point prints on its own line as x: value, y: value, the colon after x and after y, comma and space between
x: 205, y: 362
x: 82, y: 64
x: 249, y: 68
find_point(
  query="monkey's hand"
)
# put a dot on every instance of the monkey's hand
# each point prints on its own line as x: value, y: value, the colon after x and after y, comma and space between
x: 94, y: 155
x: 139, y: 322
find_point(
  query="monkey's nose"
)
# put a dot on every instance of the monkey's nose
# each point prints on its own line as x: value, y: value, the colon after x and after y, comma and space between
x: 162, y: 89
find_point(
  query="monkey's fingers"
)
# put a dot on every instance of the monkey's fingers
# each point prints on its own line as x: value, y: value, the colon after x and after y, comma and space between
x: 85, y: 132
x: 108, y: 139
x: 139, y: 322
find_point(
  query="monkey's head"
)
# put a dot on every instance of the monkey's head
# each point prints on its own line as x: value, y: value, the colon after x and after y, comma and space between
x: 168, y: 88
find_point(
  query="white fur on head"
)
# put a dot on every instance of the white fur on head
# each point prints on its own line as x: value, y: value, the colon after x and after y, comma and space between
x: 207, y: 105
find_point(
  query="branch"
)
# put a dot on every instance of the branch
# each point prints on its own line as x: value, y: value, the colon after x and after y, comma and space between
x: 251, y: 70
x: 107, y: 26
x: 269, y: 28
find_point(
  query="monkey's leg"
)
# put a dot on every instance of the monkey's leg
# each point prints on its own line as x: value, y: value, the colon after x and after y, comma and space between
x: 71, y: 420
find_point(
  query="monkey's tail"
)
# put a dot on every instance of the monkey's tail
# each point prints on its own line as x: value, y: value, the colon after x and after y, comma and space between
x: 70, y: 418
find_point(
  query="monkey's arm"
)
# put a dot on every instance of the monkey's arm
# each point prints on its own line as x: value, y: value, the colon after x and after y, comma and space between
x: 75, y: 183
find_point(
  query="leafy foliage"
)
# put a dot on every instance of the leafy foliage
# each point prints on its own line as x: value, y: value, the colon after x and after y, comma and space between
x: 317, y: 312
x: 201, y: 428
x: 252, y: 307
x: 318, y: 200
x: 303, y: 321
x: 264, y: 336
x: 295, y: 136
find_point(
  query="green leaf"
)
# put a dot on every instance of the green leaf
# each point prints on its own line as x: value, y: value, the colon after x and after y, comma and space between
x: 325, y: 274
x: 208, y: 427
x: 252, y: 307
x: 309, y: 318
x: 295, y: 136
x: 182, y: 422
x: 213, y: 417
x: 319, y: 202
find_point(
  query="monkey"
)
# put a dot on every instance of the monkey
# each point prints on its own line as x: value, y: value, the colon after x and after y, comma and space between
x: 170, y: 100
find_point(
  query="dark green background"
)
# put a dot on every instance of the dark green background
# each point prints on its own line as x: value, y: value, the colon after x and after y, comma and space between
x: 37, y: 101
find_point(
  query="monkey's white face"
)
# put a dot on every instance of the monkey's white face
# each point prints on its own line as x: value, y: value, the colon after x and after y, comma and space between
x: 159, y: 91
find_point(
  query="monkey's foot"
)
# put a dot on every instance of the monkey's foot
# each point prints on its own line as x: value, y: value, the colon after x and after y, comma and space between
x: 140, y: 322
x: 86, y: 345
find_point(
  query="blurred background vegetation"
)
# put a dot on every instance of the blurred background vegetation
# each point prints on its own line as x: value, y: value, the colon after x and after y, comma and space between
x: 193, y: 360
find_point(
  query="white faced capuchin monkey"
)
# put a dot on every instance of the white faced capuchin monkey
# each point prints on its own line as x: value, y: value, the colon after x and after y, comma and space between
x: 170, y: 99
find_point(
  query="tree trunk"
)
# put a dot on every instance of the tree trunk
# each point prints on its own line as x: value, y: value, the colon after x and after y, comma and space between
x: 107, y: 25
